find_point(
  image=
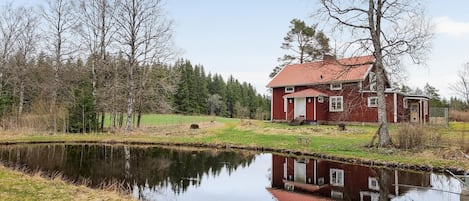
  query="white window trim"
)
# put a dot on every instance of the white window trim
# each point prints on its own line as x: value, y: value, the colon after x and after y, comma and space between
x: 370, y: 183
x: 336, y: 86
x: 290, y: 89
x: 372, y: 81
x: 337, y: 194
x: 369, y: 101
x: 373, y: 86
x: 336, y: 98
x: 339, y: 182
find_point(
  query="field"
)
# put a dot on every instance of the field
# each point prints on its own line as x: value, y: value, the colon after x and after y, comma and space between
x: 439, y: 148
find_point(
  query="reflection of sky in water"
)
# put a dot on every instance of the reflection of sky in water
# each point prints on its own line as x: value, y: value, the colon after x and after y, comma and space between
x: 443, y: 188
x: 243, y: 184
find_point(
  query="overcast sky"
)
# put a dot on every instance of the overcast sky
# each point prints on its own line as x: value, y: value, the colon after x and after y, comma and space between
x: 243, y: 37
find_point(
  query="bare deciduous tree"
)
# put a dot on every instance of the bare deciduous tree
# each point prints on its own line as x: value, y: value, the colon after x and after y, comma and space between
x: 387, y: 29
x: 97, y: 30
x: 461, y: 87
x: 142, y: 31
x: 9, y: 33
x: 61, y: 22
x: 26, y: 46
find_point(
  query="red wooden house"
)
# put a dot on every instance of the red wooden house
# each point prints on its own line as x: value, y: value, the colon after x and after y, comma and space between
x: 343, y: 90
x: 341, y: 181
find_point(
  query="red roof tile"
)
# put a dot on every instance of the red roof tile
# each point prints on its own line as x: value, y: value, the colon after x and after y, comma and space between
x: 320, y: 72
x: 282, y: 195
x: 305, y: 93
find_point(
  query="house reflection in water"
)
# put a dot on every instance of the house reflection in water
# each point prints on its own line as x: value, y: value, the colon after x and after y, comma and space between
x: 315, y: 179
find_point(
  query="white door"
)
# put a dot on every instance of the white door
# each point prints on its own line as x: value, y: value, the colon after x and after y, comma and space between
x: 300, y: 172
x: 414, y: 113
x: 300, y: 107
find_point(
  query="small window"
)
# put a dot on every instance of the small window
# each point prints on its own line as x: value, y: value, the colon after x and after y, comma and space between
x: 320, y: 99
x: 373, y: 101
x: 337, y: 195
x: 406, y: 103
x: 337, y: 177
x: 373, y: 183
x: 336, y: 86
x: 372, y: 81
x: 336, y: 104
x: 373, y: 86
x: 289, y: 89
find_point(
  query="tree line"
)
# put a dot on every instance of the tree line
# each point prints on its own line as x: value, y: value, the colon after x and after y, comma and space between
x: 71, y: 65
x: 201, y: 93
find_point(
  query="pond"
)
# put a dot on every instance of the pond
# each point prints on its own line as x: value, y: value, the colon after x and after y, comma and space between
x: 170, y: 173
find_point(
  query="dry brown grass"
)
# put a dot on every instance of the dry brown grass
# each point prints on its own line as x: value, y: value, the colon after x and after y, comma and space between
x: 457, y: 115
x: 416, y: 137
x: 41, y: 186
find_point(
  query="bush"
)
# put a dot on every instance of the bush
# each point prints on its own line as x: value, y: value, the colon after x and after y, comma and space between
x: 412, y: 136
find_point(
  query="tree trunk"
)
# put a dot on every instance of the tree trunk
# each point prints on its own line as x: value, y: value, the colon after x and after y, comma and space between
x: 21, y: 101
x: 139, y: 117
x: 375, y: 32
x: 384, y: 137
x: 103, y: 115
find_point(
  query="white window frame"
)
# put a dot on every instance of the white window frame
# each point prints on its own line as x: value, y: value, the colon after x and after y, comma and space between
x: 371, y: 103
x: 337, y: 180
x: 333, y: 103
x: 336, y: 86
x: 290, y: 89
x: 337, y: 194
x: 406, y: 103
x: 372, y: 81
x: 373, y: 183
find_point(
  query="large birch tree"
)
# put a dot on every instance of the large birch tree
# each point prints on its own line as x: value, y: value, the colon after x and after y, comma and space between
x: 60, y: 24
x: 141, y: 30
x: 387, y: 29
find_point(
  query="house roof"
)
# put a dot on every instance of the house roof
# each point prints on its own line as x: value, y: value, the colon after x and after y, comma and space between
x: 321, y: 72
x: 305, y: 93
x: 282, y: 195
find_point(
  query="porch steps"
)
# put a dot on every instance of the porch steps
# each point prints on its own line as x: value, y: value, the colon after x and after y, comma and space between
x: 297, y: 121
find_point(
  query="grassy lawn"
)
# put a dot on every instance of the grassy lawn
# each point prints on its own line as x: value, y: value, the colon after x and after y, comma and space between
x: 18, y: 186
x: 447, y: 152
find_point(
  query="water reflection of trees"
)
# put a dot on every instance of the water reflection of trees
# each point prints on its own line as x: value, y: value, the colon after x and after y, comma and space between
x: 150, y: 167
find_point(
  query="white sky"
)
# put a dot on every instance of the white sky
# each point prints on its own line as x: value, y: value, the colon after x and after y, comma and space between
x: 243, y: 37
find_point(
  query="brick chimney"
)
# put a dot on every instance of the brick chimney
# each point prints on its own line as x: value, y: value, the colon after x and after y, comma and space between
x: 328, y: 59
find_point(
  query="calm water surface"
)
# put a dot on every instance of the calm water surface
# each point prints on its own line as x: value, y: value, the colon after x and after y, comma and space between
x: 163, y: 173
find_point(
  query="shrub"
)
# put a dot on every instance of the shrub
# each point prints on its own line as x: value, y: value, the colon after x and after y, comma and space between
x: 412, y: 136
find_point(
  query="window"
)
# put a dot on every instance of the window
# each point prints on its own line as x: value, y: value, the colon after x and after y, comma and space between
x: 373, y: 101
x: 372, y: 80
x: 337, y: 194
x: 337, y: 177
x: 373, y: 183
x: 336, y: 86
x: 336, y: 104
x: 406, y: 103
x: 320, y: 99
x: 289, y: 89
x: 373, y: 86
